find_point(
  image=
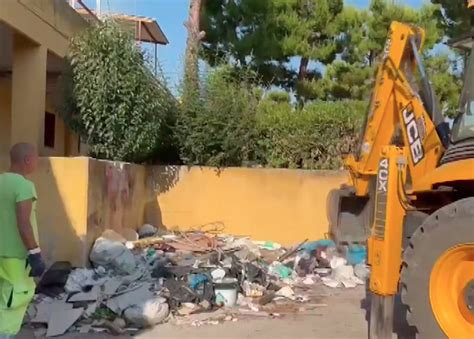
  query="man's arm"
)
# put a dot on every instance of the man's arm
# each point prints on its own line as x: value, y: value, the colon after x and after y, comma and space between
x: 23, y: 213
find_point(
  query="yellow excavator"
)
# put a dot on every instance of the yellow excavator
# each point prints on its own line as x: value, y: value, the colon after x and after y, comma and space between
x: 410, y: 195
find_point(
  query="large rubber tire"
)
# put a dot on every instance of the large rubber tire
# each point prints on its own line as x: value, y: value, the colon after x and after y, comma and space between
x: 449, y: 226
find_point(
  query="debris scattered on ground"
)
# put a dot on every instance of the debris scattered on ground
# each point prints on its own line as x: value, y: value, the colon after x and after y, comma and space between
x: 61, y: 320
x: 145, y: 278
x: 54, y: 279
x: 342, y: 274
x: 362, y: 271
x: 113, y: 254
x: 146, y: 231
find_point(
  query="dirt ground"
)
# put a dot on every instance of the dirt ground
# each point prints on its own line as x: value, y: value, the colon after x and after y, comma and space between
x: 343, y: 317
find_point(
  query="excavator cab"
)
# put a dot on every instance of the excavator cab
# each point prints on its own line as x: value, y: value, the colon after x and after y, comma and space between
x: 462, y: 134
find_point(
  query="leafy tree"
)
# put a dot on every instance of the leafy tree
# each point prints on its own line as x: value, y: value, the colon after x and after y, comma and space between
x: 279, y: 96
x: 266, y: 34
x: 453, y: 17
x: 365, y: 33
x: 193, y: 42
x: 242, y: 31
x: 112, y: 100
x: 219, y: 130
x: 446, y: 83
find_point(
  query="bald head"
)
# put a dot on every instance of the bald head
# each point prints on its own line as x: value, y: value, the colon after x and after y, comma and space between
x: 23, y: 157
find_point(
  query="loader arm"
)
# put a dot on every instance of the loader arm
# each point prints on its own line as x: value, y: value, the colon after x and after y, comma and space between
x: 403, y: 112
x: 397, y: 114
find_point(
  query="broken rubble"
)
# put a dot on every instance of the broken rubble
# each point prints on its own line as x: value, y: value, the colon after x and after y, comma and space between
x: 113, y: 254
x: 120, y: 303
x: 146, y: 231
x: 342, y: 275
x: 91, y: 295
x: 361, y: 271
x: 148, y: 313
x: 61, y: 320
x: 82, y: 278
x: 187, y: 269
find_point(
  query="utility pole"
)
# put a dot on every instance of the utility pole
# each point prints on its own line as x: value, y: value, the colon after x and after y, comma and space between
x: 98, y: 9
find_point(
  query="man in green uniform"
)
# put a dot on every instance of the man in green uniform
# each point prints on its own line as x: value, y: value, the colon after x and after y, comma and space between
x: 20, y: 255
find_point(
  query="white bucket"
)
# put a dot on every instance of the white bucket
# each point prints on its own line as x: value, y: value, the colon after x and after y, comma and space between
x: 226, y: 292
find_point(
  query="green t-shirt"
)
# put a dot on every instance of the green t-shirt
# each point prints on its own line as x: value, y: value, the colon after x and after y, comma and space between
x: 14, y: 188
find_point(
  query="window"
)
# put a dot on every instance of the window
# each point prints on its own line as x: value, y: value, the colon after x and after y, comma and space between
x: 49, y: 129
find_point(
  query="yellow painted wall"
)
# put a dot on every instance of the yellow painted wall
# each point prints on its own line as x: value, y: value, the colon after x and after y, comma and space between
x: 286, y: 206
x: 49, y: 23
x: 65, y: 141
x: 80, y: 197
x: 5, y: 121
x: 62, y: 186
x: 116, y: 197
x: 39, y: 28
x: 28, y: 91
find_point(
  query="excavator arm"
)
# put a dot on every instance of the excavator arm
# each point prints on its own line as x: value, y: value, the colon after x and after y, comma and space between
x: 398, y: 115
x: 403, y: 112
x: 403, y: 138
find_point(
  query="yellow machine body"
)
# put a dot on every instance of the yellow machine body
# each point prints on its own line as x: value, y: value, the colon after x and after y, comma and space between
x: 407, y: 165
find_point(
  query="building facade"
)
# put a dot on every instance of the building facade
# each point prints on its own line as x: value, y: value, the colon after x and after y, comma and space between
x: 34, y: 37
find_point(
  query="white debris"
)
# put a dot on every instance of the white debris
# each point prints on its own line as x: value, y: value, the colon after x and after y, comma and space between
x: 113, y: 236
x: 342, y: 275
x: 113, y: 254
x: 218, y: 274
x: 252, y: 289
x: 80, y: 278
x: 286, y: 292
x: 337, y: 262
x: 242, y: 243
x: 148, y: 313
x: 308, y: 280
x: 129, y: 234
x: 362, y: 271
x: 135, y: 297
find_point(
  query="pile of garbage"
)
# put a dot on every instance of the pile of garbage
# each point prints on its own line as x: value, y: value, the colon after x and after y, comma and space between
x: 147, y: 278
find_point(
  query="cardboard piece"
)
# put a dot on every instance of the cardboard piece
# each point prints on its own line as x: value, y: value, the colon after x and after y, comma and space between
x: 111, y: 286
x: 60, y: 321
x: 45, y: 308
x: 91, y: 308
x: 135, y: 297
x: 85, y: 328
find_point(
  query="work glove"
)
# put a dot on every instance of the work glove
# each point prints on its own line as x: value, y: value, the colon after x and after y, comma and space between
x: 36, y: 263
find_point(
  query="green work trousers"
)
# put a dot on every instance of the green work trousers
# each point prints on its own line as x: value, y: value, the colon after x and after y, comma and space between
x: 17, y: 289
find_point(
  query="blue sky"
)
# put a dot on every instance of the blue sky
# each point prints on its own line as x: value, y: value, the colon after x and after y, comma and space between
x: 171, y: 15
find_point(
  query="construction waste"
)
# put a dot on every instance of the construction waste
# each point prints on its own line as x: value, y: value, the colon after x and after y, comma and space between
x: 192, y: 278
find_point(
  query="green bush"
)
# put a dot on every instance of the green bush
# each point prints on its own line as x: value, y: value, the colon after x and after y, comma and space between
x: 231, y: 125
x: 315, y: 137
x: 218, y: 129
x: 279, y: 96
x: 112, y: 100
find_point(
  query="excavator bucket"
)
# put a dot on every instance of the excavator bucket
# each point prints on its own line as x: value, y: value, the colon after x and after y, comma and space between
x: 349, y: 216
